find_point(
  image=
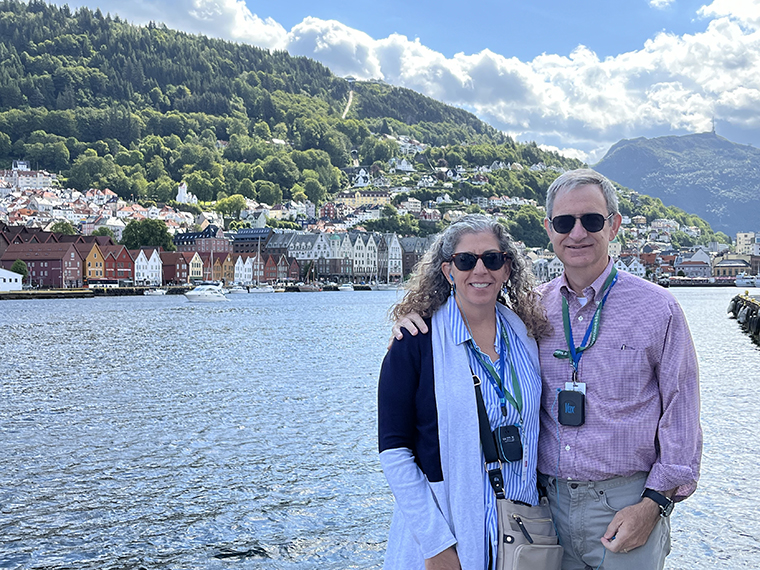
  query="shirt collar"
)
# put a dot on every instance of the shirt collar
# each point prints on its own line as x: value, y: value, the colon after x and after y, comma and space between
x: 593, y: 290
x: 459, y: 331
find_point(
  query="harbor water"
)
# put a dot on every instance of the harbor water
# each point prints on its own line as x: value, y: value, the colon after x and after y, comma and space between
x: 148, y: 432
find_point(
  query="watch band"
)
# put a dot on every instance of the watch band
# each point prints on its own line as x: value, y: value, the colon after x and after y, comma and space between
x: 665, y: 504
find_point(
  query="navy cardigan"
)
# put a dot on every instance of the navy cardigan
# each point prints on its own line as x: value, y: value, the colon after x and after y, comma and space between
x: 407, y: 413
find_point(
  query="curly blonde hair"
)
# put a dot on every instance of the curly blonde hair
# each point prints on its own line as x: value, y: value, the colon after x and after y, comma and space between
x: 428, y: 289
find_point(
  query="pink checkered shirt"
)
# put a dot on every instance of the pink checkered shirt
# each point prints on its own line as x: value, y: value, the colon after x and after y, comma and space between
x: 642, y: 387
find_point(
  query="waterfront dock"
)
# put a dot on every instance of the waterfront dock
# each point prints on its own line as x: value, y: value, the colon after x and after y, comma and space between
x: 83, y: 293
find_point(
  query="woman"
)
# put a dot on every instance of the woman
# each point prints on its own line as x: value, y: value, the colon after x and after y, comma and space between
x: 475, y: 293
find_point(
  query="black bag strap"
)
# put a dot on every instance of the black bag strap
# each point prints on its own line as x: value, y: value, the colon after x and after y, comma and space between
x: 486, y: 440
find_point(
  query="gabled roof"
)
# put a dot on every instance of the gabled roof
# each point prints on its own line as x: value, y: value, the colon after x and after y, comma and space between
x: 171, y: 257
x: 84, y: 249
x: 280, y: 239
x: 42, y: 251
x: 114, y: 250
x: 188, y: 255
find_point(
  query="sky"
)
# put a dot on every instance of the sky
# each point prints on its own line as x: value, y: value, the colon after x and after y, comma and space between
x: 575, y: 77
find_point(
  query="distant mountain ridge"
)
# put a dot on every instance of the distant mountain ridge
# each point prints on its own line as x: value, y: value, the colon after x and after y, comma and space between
x: 705, y: 174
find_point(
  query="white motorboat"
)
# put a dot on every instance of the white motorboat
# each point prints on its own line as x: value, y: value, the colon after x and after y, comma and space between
x: 154, y: 292
x: 206, y: 294
x: 237, y: 289
x: 346, y: 287
x: 745, y: 280
x: 385, y: 287
x: 262, y: 289
x: 308, y: 287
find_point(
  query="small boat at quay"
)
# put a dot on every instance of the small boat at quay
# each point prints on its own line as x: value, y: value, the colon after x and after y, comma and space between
x: 308, y: 287
x: 237, y: 289
x: 206, y: 294
x: 346, y: 287
x: 261, y: 289
x: 156, y: 292
x: 745, y: 280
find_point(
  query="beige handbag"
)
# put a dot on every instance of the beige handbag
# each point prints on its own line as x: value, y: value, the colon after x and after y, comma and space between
x: 527, y: 538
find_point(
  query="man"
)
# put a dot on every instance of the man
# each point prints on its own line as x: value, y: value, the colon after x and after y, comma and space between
x: 620, y: 438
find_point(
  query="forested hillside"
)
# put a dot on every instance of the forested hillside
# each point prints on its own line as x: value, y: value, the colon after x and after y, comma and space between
x: 705, y: 174
x: 138, y: 109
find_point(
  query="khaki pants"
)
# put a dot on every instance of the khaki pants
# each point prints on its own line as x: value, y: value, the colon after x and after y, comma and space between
x: 583, y: 509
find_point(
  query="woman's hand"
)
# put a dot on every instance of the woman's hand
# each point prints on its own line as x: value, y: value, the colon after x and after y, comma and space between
x: 446, y: 560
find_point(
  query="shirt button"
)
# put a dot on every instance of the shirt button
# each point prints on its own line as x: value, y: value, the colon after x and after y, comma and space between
x: 580, y: 318
x: 567, y: 448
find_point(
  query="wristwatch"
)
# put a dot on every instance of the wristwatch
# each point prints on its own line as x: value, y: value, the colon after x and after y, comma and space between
x: 666, y: 504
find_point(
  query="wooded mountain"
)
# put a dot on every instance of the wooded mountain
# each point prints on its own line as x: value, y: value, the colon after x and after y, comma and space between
x: 705, y: 174
x: 138, y: 109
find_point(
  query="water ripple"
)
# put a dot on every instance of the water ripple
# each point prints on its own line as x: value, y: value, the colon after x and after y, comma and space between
x: 146, y: 433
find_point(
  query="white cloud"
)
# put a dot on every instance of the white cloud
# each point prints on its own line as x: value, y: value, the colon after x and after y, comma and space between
x: 659, y: 4
x: 745, y: 11
x: 227, y: 19
x: 568, y: 152
x: 344, y: 50
x: 581, y: 102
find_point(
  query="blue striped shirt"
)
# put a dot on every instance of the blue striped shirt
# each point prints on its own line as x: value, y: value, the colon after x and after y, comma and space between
x: 516, y: 486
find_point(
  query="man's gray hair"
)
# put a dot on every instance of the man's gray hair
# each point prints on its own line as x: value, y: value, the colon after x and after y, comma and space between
x: 574, y: 178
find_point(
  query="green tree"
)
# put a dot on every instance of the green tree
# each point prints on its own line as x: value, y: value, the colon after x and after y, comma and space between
x: 281, y: 170
x: 527, y: 226
x: 147, y: 233
x: 388, y: 211
x: 89, y: 170
x: 314, y: 190
x: 268, y: 192
x: 297, y: 194
x: 679, y: 239
x: 63, y: 227
x: 19, y: 266
x: 200, y: 184
x: 5, y: 145
x: 163, y: 189
x: 231, y: 206
x: 282, y: 224
x: 261, y: 130
x: 247, y: 188
x: 104, y: 231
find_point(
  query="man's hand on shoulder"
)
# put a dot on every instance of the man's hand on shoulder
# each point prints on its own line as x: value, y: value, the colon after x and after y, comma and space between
x: 412, y: 323
x: 631, y: 526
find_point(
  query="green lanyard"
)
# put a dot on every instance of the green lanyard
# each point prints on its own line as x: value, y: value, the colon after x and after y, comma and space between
x: 592, y: 332
x: 504, y: 395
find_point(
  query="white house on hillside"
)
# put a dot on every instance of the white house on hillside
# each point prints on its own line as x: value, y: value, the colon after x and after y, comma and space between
x: 184, y: 196
x: 631, y: 265
x: 554, y: 268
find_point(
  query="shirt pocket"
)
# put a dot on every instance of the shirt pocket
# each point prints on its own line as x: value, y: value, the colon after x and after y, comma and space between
x: 623, y: 374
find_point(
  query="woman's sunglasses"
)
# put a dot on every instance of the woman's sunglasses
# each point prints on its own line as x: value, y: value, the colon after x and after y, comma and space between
x: 590, y: 222
x: 493, y: 260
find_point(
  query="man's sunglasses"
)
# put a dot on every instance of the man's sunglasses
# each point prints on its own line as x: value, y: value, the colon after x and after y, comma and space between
x: 590, y: 222
x: 493, y: 260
